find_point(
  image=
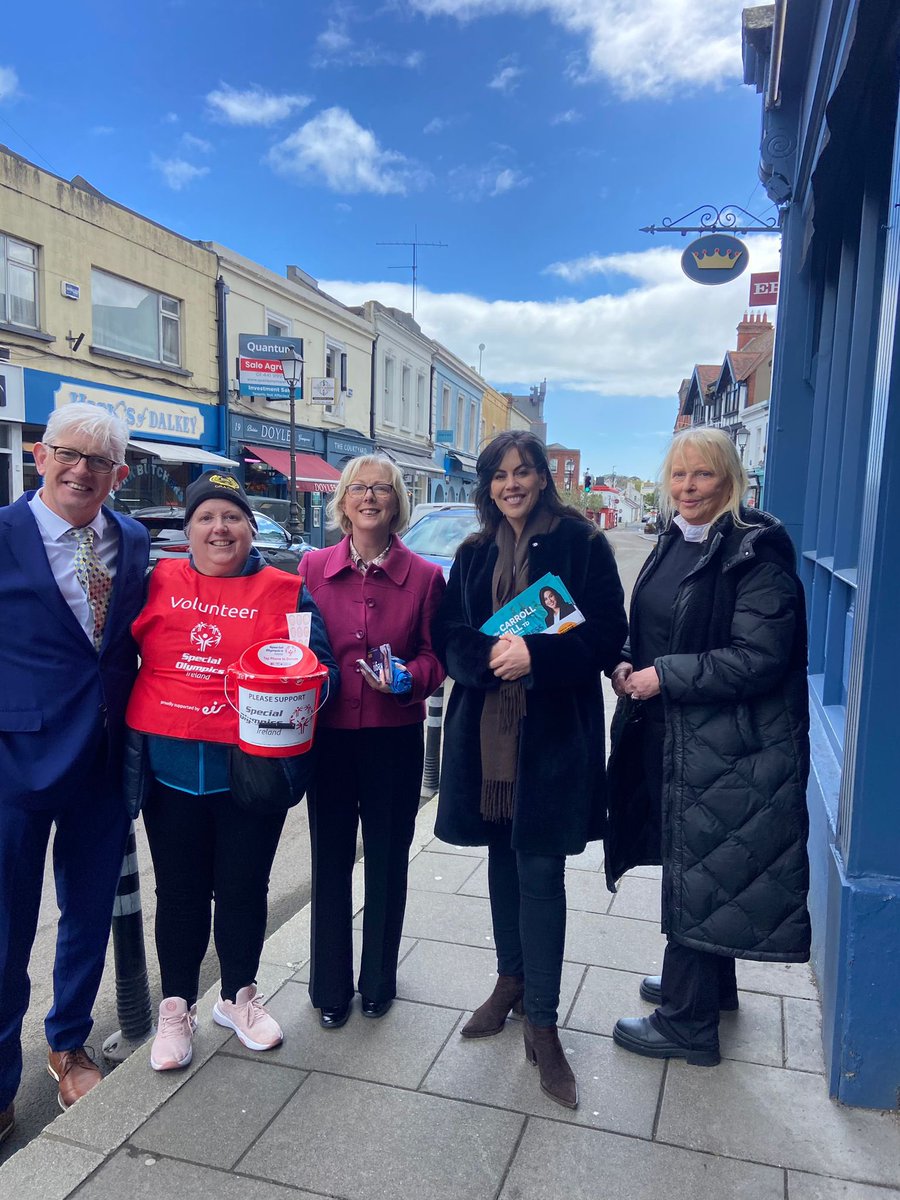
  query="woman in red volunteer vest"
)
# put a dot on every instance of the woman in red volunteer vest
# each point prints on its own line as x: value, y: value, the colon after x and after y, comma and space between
x: 371, y: 591
x: 200, y: 615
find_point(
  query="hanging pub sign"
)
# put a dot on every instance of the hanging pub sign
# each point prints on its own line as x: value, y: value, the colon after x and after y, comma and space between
x: 763, y: 288
x: 715, y: 258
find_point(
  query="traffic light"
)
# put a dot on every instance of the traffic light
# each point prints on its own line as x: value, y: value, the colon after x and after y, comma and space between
x: 588, y: 481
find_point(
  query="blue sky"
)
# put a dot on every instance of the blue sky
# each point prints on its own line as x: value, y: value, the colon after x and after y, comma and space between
x: 534, y: 137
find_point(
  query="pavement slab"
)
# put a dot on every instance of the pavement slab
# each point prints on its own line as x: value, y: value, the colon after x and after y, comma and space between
x: 557, y: 1161
x: 616, y: 1091
x: 803, y: 1035
x: 220, y: 1112
x: 385, y: 1144
x: 47, y: 1169
x: 619, y: 942
x: 817, y: 1187
x: 432, y: 872
x: 143, y: 1176
x: 638, y: 898
x: 773, y: 1115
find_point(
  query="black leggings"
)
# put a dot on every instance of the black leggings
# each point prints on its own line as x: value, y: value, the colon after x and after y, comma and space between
x: 528, y: 913
x: 204, y: 847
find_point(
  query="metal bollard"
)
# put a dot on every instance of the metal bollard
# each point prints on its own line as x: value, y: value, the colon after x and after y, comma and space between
x: 431, y: 775
x: 132, y: 985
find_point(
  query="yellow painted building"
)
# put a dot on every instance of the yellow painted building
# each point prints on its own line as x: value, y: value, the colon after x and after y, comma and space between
x: 498, y: 413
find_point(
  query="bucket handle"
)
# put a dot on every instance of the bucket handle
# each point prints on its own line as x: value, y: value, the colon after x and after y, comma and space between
x: 326, y: 687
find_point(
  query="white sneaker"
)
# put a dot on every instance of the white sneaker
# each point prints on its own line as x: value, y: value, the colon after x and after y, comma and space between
x: 171, y: 1047
x: 249, y: 1020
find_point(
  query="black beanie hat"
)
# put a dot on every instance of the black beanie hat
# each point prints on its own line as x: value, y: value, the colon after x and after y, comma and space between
x: 216, y: 485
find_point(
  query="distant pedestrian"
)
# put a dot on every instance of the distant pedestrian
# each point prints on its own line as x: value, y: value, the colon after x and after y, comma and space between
x: 211, y: 852
x: 372, y: 591
x: 523, y: 766
x: 710, y: 751
x: 71, y: 582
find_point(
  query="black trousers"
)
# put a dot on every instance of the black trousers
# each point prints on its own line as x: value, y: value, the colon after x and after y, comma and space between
x: 693, y: 982
x: 528, y: 914
x: 206, y: 847
x: 372, y: 778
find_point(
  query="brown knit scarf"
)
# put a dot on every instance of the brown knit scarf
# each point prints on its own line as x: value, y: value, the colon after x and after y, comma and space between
x: 504, y: 708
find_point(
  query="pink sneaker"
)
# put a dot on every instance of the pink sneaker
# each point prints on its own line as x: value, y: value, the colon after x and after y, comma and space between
x: 171, y: 1047
x: 249, y: 1020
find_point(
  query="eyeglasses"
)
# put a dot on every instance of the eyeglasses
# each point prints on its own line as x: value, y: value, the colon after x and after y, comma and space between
x: 381, y: 490
x: 96, y: 462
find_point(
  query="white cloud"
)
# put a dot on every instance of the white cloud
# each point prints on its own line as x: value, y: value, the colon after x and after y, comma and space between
x: 335, y: 47
x: 507, y: 180
x: 639, y: 342
x: 506, y: 78
x: 334, y: 39
x: 9, y: 83
x: 486, y: 180
x: 178, y: 173
x: 643, y: 47
x: 569, y: 117
x: 201, y: 145
x: 335, y: 149
x: 252, y: 106
x: 437, y: 125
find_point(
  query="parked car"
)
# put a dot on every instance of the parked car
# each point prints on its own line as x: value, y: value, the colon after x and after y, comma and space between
x: 167, y: 540
x: 278, y: 510
x: 438, y: 531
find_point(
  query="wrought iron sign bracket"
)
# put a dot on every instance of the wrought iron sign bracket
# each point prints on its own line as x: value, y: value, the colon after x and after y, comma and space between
x: 714, y: 220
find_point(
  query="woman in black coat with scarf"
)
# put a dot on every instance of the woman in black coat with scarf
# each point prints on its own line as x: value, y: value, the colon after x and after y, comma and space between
x: 710, y: 752
x: 523, y: 766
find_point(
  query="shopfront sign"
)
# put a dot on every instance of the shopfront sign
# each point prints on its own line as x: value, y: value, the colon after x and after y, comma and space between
x: 145, y: 415
x: 715, y: 258
x: 340, y: 446
x: 259, y: 365
x: 763, y: 288
x: 251, y: 431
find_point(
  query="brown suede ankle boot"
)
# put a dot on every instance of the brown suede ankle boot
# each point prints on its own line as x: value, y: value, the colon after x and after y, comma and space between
x: 491, y: 1016
x: 543, y: 1049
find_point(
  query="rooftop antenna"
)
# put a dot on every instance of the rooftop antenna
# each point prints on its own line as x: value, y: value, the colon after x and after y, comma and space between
x: 415, y: 243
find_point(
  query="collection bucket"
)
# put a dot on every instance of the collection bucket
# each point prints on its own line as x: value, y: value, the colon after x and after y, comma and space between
x: 278, y: 687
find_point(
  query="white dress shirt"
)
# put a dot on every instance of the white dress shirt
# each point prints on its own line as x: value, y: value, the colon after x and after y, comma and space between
x: 61, y: 546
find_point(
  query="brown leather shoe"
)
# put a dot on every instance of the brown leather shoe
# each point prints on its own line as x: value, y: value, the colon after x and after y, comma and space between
x: 7, y: 1122
x: 75, y: 1071
x: 490, y: 1017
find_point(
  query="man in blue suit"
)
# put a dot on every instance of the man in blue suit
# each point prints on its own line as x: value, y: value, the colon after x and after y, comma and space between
x: 71, y: 582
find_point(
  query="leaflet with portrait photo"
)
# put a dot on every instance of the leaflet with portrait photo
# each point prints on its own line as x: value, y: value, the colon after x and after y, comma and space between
x: 544, y: 607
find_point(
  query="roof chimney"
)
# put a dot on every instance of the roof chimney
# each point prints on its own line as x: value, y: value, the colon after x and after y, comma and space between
x: 751, y: 327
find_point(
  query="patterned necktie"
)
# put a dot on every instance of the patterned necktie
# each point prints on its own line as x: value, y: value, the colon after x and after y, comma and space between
x: 94, y: 577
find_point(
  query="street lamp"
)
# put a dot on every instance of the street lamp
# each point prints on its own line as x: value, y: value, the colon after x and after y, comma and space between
x: 741, y: 438
x: 292, y: 370
x: 480, y: 354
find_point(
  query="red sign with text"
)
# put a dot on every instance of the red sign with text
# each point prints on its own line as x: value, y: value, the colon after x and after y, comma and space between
x: 764, y: 288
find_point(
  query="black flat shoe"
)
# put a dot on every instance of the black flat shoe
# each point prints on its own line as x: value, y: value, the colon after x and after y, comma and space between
x: 334, y: 1018
x: 375, y: 1008
x: 651, y: 990
x: 640, y: 1036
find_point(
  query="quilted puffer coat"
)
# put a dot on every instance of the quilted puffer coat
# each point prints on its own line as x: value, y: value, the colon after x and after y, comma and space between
x: 736, y: 752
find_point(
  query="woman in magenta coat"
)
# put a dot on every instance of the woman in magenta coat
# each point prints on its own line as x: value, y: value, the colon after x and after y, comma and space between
x: 370, y: 590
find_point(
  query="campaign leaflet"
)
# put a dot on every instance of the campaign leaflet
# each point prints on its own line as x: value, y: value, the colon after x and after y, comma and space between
x: 544, y: 607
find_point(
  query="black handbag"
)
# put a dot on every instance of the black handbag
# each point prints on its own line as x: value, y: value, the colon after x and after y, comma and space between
x: 268, y: 785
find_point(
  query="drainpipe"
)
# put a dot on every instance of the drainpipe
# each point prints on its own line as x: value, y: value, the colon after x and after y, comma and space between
x: 372, y: 389
x: 773, y: 88
x: 222, y: 291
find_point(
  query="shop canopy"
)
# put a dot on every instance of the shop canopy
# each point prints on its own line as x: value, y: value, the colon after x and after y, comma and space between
x: 170, y: 452
x: 314, y: 474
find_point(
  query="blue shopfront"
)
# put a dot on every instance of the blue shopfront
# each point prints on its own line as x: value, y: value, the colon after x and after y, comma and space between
x: 831, y: 161
x: 171, y: 441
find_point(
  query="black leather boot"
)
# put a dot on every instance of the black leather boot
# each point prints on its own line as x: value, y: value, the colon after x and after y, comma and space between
x: 543, y: 1049
x: 491, y: 1016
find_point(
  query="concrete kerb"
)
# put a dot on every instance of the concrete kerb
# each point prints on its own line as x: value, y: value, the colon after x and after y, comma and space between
x: 79, y: 1141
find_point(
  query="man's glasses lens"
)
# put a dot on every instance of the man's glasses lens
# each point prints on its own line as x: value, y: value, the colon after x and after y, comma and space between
x: 96, y: 462
x: 377, y: 489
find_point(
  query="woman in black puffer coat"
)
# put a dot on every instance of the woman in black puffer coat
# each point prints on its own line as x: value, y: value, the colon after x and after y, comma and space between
x: 710, y: 748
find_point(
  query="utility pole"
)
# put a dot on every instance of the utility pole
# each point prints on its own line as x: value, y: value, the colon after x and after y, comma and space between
x: 415, y: 243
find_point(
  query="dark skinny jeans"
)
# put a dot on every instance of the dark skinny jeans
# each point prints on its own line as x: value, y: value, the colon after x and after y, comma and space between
x: 528, y: 913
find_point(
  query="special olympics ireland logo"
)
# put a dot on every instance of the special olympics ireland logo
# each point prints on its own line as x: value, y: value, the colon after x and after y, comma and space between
x: 301, y: 718
x: 205, y: 636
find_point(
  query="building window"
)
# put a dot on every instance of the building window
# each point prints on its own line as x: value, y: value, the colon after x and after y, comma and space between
x: 421, y: 413
x: 473, y: 424
x: 445, y: 408
x: 459, y: 438
x: 387, y: 406
x: 277, y: 326
x: 18, y: 282
x: 405, y: 398
x: 131, y: 319
x: 553, y: 464
x: 336, y: 369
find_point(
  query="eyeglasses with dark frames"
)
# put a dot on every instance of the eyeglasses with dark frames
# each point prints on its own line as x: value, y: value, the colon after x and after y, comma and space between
x: 381, y: 490
x: 70, y: 458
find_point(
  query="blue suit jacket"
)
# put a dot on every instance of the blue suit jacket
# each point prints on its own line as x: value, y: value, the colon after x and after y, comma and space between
x: 62, y: 704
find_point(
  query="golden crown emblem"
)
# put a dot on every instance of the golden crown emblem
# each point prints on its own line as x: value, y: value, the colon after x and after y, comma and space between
x: 716, y: 260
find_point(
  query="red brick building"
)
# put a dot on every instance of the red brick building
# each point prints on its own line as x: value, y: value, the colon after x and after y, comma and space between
x: 565, y: 467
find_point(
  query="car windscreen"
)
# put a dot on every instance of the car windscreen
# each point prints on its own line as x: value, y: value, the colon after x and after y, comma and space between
x: 440, y: 534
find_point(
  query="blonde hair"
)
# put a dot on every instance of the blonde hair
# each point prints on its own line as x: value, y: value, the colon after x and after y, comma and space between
x: 335, y: 516
x: 720, y: 454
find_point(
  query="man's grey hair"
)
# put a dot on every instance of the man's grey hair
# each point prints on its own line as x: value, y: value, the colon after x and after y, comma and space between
x: 105, y: 431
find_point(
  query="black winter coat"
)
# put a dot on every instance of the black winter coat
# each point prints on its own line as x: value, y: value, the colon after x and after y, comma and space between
x: 736, y: 754
x: 561, y: 779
